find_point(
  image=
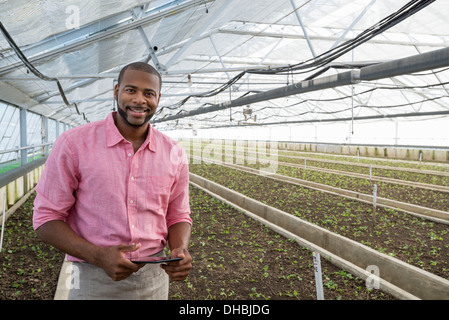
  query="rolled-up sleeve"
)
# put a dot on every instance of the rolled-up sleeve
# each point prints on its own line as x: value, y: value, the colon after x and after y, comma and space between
x: 179, y: 206
x: 56, y: 186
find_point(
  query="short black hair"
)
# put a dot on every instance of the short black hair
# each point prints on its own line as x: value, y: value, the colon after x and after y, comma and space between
x: 141, y: 66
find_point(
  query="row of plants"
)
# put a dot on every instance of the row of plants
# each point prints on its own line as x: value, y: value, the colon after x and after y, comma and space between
x: 237, y: 258
x: 422, y: 165
x: 416, y: 241
x: 29, y: 268
x: 249, y: 155
x: 262, y: 148
x: 434, y: 179
x: 234, y: 258
x: 404, y: 193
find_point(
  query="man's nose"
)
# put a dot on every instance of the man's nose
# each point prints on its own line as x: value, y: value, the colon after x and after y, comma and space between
x: 140, y: 98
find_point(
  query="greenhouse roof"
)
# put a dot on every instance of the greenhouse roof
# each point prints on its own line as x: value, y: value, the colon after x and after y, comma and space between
x: 61, y: 58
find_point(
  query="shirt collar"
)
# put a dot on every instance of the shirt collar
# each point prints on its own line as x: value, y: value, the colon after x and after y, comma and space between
x: 114, y: 136
x: 151, y: 139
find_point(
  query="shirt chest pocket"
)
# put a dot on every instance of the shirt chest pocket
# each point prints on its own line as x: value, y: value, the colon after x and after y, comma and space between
x: 157, y: 192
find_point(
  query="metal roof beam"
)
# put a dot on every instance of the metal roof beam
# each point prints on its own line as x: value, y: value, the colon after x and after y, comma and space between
x: 297, y: 35
x: 98, y: 30
x: 426, y: 61
x: 353, y: 24
x: 306, y: 35
x: 138, y: 13
x: 198, y: 34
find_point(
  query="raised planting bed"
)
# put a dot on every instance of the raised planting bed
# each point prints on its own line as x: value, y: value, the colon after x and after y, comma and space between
x: 397, y: 190
x: 405, y: 193
x: 400, y: 173
x: 399, y: 163
x: 428, y: 173
x: 237, y: 258
x: 29, y: 268
x: 414, y: 199
x: 239, y: 148
x: 234, y: 258
x: 419, y: 242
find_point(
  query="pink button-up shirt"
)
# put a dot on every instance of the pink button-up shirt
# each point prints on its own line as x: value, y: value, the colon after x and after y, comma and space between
x: 110, y: 195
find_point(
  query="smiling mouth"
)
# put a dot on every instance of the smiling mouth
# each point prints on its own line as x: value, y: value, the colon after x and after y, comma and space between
x: 137, y: 110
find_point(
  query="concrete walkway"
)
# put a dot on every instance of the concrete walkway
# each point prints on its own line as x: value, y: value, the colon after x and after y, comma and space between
x: 64, y: 283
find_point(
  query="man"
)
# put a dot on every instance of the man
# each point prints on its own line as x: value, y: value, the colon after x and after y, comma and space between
x: 117, y: 189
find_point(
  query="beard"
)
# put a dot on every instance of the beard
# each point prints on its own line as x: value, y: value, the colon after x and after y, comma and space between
x: 124, y: 116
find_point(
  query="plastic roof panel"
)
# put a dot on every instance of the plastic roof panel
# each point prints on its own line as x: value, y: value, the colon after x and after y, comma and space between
x: 32, y: 21
x: 213, y: 41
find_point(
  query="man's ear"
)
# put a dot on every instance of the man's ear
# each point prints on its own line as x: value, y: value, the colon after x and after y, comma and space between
x: 116, y: 92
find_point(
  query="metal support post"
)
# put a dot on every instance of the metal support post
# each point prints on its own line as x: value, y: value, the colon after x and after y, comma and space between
x: 45, y: 134
x: 23, y: 136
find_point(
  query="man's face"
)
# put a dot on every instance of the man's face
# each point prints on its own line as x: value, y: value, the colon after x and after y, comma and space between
x: 137, y: 96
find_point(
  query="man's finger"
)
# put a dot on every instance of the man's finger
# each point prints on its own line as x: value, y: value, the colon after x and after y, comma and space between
x: 129, y: 248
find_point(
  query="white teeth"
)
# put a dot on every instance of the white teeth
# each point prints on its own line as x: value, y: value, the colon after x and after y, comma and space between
x: 138, y: 111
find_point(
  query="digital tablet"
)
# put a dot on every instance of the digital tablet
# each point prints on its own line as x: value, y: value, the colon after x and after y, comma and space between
x: 154, y: 259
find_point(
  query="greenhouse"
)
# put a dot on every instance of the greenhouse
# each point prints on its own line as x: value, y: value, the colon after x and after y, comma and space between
x: 314, y: 133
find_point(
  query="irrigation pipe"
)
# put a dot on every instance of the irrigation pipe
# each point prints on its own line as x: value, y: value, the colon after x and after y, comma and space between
x: 400, y: 278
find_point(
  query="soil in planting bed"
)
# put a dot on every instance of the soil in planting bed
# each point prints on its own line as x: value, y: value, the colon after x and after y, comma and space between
x: 234, y: 258
x: 29, y: 268
x: 409, y: 194
x: 424, y: 197
x: 376, y: 161
x: 416, y: 241
x: 381, y: 172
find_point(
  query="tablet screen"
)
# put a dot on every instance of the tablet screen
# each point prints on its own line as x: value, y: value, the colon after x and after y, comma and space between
x: 154, y: 259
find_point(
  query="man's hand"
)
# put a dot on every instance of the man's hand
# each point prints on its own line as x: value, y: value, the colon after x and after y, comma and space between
x: 113, y: 261
x: 178, y: 270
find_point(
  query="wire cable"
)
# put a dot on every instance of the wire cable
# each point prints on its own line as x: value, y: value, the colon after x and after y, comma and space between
x: 325, y: 58
x: 36, y: 72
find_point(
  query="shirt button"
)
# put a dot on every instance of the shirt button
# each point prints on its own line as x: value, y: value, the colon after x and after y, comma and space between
x: 129, y: 154
x: 132, y: 178
x: 132, y: 226
x: 130, y: 201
